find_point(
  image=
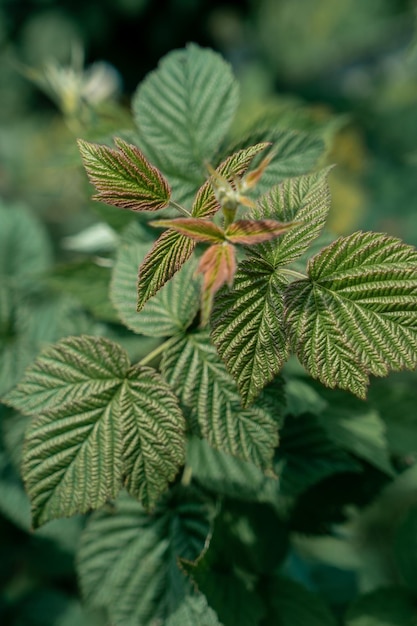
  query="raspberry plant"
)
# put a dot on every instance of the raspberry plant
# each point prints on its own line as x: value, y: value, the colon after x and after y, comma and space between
x: 169, y: 450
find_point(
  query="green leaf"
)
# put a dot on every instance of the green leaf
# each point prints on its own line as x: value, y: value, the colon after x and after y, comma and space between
x: 192, y: 367
x: 293, y: 153
x: 307, y: 455
x: 29, y: 322
x: 291, y: 604
x: 24, y: 246
x: 166, y: 257
x: 302, y: 398
x: 252, y: 313
x: 14, y: 503
x: 390, y: 606
x: 192, y: 611
x: 219, y: 575
x: 247, y: 327
x: 127, y: 560
x: 395, y: 399
x: 153, y: 434
x: 233, y: 600
x: 195, y: 228
x: 405, y: 548
x: 357, y: 427
x: 183, y: 110
x: 89, y: 284
x: 305, y: 200
x: 50, y: 607
x: 227, y: 475
x: 356, y: 313
x: 99, y: 422
x: 170, y: 311
x: 123, y: 177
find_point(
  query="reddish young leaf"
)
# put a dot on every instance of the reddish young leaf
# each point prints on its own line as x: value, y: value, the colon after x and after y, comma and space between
x: 206, y: 203
x: 124, y: 177
x: 249, y: 232
x: 218, y: 266
x: 197, y: 229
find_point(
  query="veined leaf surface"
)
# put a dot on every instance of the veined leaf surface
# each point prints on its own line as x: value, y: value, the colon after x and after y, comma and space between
x: 356, y: 314
x: 128, y: 559
x: 99, y: 423
x: 251, y: 316
x: 192, y: 367
x: 170, y: 311
x: 166, y: 257
x: 183, y: 110
x: 124, y: 177
x: 247, y: 322
x: 153, y: 434
x: 293, y: 153
x: 303, y: 199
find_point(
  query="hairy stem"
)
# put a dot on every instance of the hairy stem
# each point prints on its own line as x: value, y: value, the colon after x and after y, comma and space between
x: 179, y: 208
x: 156, y: 352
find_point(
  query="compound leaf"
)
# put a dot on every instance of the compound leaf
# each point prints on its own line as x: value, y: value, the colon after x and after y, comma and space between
x: 192, y: 367
x: 247, y: 327
x: 98, y: 423
x: 128, y: 559
x: 356, y: 313
x: 124, y: 177
x: 183, y: 110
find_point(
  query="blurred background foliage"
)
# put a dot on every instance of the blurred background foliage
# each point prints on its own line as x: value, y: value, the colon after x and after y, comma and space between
x: 343, y: 70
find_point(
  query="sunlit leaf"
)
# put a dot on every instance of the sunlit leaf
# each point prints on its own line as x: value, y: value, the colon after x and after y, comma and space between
x: 124, y: 177
x: 183, y: 110
x: 170, y: 311
x: 247, y: 327
x: 99, y: 423
x: 192, y: 367
x: 356, y: 314
x: 166, y: 257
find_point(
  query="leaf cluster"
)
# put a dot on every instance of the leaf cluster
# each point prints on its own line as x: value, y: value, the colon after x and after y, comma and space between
x: 200, y: 455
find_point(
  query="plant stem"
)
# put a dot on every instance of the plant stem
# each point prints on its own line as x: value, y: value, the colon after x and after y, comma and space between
x: 154, y: 353
x: 293, y: 273
x: 179, y: 208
